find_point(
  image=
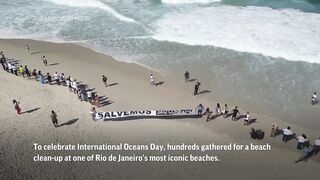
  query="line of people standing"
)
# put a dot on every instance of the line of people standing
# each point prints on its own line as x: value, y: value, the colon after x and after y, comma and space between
x: 59, y: 79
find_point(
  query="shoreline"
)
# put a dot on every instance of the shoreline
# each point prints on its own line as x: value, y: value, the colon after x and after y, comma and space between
x: 293, y: 114
x: 292, y: 117
x: 170, y: 80
x: 133, y: 92
x: 80, y: 43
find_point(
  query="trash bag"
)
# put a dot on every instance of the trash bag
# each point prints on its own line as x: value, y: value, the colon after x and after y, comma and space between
x: 257, y: 134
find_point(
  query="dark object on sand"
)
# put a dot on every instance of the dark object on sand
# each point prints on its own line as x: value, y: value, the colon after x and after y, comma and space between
x: 257, y: 134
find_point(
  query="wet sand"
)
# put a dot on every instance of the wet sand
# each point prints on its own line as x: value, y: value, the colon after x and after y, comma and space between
x: 131, y: 91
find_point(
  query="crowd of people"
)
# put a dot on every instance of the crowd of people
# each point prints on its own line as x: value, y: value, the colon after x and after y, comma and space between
x: 225, y: 113
x: 218, y: 111
x: 90, y: 96
x: 303, y: 143
x: 83, y: 93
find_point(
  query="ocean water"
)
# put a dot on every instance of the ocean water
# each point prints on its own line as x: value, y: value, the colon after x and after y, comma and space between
x: 262, y: 55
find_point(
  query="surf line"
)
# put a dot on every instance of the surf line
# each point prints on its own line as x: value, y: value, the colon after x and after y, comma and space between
x: 94, y: 4
x: 114, y: 115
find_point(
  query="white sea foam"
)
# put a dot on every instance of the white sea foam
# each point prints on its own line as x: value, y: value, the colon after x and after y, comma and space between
x: 93, y: 4
x: 10, y: 33
x: 188, y: 1
x: 287, y: 33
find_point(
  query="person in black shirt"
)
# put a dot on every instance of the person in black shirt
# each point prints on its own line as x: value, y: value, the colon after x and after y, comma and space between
x: 49, y: 78
x: 54, y: 119
x: 26, y: 70
x: 2, y: 63
x: 15, y: 69
x: 34, y: 73
x: 104, y: 80
x: 208, y: 113
x: 235, y: 112
x: 196, y: 88
x: 3, y: 57
x: 226, y: 111
x: 186, y: 76
x: 44, y: 60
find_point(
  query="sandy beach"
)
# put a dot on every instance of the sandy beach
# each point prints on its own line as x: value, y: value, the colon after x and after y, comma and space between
x: 130, y: 90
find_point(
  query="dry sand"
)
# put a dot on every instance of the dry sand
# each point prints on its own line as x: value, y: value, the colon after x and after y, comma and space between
x: 132, y: 92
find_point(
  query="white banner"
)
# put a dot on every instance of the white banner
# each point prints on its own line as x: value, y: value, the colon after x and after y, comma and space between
x: 146, y: 114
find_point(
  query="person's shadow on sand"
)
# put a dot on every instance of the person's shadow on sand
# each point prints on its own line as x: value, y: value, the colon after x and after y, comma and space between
x: 159, y: 83
x: 16, y: 61
x: 113, y: 84
x: 240, y: 117
x: 36, y: 52
x: 53, y: 64
x: 72, y: 121
x: 30, y: 111
x: 104, y: 101
x: 214, y: 117
x: 191, y: 80
x: 204, y: 92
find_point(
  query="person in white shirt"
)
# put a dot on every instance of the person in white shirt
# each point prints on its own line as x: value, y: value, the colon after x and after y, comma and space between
x: 218, y: 110
x: 56, y: 77
x: 287, y: 134
x: 152, y: 79
x: 247, y: 118
x: 15, y: 70
x: 93, y: 113
x: 314, y: 99
x: 75, y: 86
x: 316, y: 147
x: 67, y: 82
x: 10, y: 67
x: 301, y: 141
x: 89, y: 95
x: 44, y: 60
x: 28, y: 48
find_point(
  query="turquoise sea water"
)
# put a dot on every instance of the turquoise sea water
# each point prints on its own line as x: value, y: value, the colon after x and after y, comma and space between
x: 264, y: 53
